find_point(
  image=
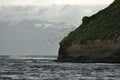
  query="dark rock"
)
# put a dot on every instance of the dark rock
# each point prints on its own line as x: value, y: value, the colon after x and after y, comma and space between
x: 96, y: 40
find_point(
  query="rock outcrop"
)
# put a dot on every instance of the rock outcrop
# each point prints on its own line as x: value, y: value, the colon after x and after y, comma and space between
x: 96, y: 40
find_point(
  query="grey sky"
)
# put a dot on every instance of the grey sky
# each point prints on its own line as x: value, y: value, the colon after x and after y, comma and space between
x: 57, y: 2
x: 29, y: 26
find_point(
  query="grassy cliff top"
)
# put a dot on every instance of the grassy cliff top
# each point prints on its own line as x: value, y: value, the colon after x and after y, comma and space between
x: 104, y: 25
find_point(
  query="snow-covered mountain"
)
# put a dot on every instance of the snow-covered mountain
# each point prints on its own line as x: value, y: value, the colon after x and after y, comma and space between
x: 38, y: 30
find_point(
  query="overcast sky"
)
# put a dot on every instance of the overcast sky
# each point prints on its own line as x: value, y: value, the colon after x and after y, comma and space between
x: 19, y: 18
x: 49, y: 2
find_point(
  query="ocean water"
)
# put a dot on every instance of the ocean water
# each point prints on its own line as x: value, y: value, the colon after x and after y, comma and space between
x: 43, y: 68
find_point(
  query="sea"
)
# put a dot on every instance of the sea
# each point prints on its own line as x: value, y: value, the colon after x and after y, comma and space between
x: 32, y: 67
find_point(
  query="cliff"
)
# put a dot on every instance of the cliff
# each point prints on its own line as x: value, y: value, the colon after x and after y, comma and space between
x: 96, y: 40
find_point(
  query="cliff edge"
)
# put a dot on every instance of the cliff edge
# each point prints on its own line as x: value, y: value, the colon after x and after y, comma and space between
x: 96, y: 40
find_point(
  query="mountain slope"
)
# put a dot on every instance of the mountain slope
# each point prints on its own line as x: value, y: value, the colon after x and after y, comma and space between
x: 96, y: 40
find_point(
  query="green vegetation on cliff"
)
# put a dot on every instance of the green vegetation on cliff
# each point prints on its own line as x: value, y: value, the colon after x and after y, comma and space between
x: 104, y: 25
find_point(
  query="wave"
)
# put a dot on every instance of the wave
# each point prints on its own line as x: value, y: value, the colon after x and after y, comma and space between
x: 50, y: 57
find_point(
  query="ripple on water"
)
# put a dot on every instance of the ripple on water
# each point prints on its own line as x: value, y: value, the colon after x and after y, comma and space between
x: 47, y: 70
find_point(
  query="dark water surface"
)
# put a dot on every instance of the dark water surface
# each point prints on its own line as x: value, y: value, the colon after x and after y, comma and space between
x: 45, y: 69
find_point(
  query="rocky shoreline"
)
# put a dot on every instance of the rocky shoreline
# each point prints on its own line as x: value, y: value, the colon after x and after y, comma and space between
x: 97, y: 51
x: 101, y: 42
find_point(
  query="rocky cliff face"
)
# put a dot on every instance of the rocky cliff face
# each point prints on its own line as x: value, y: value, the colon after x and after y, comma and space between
x: 96, y: 40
